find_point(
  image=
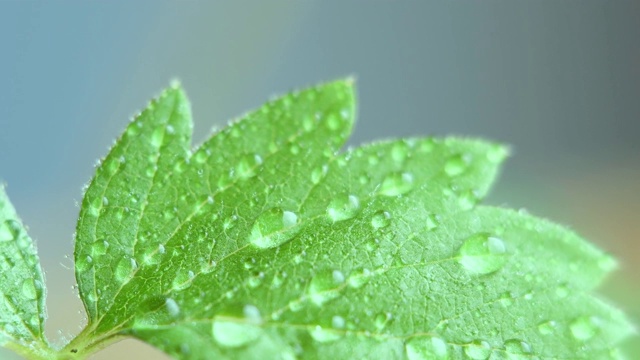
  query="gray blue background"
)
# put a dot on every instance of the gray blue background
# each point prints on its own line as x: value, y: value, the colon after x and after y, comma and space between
x: 559, y: 80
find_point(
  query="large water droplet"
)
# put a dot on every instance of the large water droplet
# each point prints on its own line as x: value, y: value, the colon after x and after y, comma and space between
x: 547, y: 327
x: 172, y: 307
x: 584, y: 327
x: 325, y: 286
x: 343, y: 207
x: 9, y: 230
x: 381, y: 219
x: 247, y: 166
x: 478, y: 350
x: 482, y: 254
x: 29, y: 290
x: 420, y: 348
x: 323, y: 335
x: 396, y: 183
x: 234, y: 331
x: 125, y: 268
x: 273, y: 228
x: 456, y: 165
x: 517, y: 349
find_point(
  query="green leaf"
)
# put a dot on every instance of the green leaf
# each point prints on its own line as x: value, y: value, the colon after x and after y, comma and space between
x: 268, y: 242
x: 22, y: 294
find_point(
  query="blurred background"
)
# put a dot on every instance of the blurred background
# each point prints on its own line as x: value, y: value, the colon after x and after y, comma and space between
x: 559, y: 80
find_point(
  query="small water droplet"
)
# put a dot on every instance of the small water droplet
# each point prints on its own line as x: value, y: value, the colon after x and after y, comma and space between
x: 172, y: 307
x: 419, y: 348
x: 29, y: 290
x: 338, y: 322
x: 547, y: 327
x: 506, y: 299
x: 562, y: 291
x: 382, y: 319
x: 467, y: 200
x: 381, y: 219
x: 235, y: 331
x: 161, y: 249
x: 396, y: 183
x: 478, y: 350
x: 343, y: 207
x: 325, y: 286
x: 157, y: 137
x: 482, y: 254
x: 273, y: 228
x: 182, y: 280
x: 497, y: 153
x: 456, y: 165
x: 433, y: 221
x: 584, y: 327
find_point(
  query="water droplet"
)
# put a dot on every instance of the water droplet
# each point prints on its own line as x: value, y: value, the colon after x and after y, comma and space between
x: 333, y: 122
x: 478, y: 350
x: 318, y: 173
x: 381, y: 219
x: 161, y: 249
x: 517, y: 347
x: 343, y: 207
x: 467, y: 199
x: 125, y: 268
x: 547, y: 327
x: 506, y: 299
x: 358, y: 278
x: 234, y: 331
x: 157, y: 137
x: 497, y: 153
x: 273, y: 228
x: 400, y: 151
x: 396, y: 183
x: 9, y: 230
x: 182, y: 280
x: 482, y: 254
x: 433, y: 221
x: 337, y: 322
x: 420, y: 348
x: 172, y: 307
x: 322, y: 335
x: 381, y: 320
x: 325, y: 286
x: 29, y: 290
x: 456, y: 165
x: 247, y: 166
x: 584, y: 327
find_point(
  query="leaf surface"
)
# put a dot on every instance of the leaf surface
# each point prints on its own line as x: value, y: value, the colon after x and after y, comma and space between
x: 267, y: 241
x: 22, y: 294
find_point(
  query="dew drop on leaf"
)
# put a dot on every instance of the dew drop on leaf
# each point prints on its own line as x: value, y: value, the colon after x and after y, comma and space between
x: 273, y: 228
x: 29, y: 290
x: 432, y: 221
x: 482, y: 254
x: 337, y: 322
x: 124, y: 269
x: 9, y: 230
x: 172, y: 307
x: 358, y: 278
x: 247, y: 166
x: 322, y: 335
x: 232, y: 332
x: 382, y: 319
x: 547, y: 327
x: 381, y: 219
x: 584, y: 327
x: 343, y: 207
x: 396, y: 183
x: 420, y: 348
x: 478, y: 350
x: 318, y: 173
x: 325, y: 286
x: 456, y: 165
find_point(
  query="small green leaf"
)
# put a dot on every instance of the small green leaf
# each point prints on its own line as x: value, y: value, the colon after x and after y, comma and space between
x: 22, y: 293
x: 266, y: 241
